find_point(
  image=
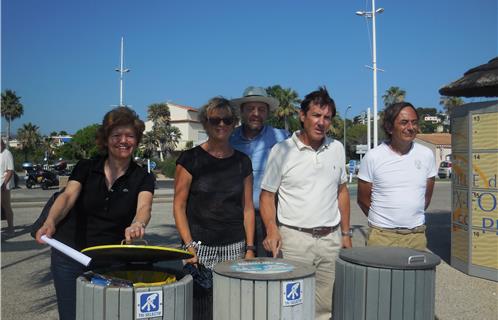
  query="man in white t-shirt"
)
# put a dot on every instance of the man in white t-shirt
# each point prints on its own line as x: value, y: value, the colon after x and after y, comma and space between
x: 395, y: 182
x: 7, y: 182
x: 307, y: 172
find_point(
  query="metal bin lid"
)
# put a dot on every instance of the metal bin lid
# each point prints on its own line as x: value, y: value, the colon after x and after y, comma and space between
x: 264, y: 269
x: 134, y: 253
x: 390, y: 257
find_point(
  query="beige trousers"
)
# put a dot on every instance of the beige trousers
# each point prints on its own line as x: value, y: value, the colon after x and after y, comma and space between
x: 319, y: 252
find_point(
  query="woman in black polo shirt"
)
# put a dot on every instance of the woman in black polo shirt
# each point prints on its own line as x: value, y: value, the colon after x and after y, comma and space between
x: 107, y: 199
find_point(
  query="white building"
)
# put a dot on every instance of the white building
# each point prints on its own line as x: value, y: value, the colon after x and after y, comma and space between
x: 439, y: 143
x: 187, y: 120
x: 433, y: 119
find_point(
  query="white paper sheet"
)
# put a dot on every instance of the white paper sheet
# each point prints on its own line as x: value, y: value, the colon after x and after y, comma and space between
x: 70, y: 252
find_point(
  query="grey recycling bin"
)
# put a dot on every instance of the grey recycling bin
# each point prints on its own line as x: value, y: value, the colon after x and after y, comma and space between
x: 159, y: 300
x: 384, y: 283
x: 134, y: 288
x: 263, y: 288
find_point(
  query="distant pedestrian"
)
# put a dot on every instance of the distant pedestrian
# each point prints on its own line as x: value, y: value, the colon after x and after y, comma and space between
x: 213, y: 208
x: 256, y: 138
x: 107, y: 199
x: 396, y: 181
x: 7, y: 179
x: 306, y: 176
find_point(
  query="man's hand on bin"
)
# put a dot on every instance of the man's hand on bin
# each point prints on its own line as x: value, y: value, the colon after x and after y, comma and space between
x: 136, y: 230
x: 273, y: 241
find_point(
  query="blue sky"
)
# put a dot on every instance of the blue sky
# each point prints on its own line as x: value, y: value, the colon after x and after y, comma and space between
x: 60, y: 55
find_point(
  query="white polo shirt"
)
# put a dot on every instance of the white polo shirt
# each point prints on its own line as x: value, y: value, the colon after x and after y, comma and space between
x: 398, y: 185
x: 6, y: 164
x: 307, y: 181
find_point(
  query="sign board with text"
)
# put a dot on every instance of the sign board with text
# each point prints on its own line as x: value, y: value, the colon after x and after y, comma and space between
x: 474, y: 232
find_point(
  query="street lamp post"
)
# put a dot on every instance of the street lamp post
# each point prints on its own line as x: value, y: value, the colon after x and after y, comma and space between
x: 372, y: 14
x: 121, y: 71
x: 345, y: 118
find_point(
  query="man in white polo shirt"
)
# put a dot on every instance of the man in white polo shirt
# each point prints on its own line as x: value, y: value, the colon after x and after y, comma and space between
x: 395, y: 182
x: 307, y: 171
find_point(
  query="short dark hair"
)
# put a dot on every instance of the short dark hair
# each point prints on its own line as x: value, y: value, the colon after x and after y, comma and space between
x: 320, y: 97
x: 120, y: 116
x: 391, y: 113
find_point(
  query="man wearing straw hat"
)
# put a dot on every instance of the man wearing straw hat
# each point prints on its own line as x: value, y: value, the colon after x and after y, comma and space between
x: 255, y: 138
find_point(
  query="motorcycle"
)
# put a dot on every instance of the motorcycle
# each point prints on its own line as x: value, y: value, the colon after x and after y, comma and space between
x: 37, y: 175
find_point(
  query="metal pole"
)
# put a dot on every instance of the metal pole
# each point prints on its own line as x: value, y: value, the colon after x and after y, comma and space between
x: 121, y: 71
x: 369, y: 137
x: 121, y: 75
x: 374, y: 63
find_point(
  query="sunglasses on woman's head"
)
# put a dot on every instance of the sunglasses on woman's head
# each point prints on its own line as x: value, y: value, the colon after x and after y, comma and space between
x: 216, y: 121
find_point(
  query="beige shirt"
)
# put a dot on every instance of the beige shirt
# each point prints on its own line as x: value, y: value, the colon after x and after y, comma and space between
x: 307, y: 182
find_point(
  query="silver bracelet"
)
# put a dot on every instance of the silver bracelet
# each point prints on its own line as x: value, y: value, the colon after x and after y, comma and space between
x: 192, y: 244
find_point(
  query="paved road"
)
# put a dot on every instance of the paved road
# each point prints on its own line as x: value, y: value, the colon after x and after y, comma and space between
x: 27, y: 291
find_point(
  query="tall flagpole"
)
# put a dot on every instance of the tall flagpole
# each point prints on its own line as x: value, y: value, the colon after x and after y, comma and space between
x: 121, y: 71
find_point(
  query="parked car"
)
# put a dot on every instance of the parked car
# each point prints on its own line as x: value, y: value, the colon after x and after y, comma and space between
x: 444, y: 170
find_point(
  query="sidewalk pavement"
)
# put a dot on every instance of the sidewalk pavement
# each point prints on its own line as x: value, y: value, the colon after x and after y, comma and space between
x: 27, y: 291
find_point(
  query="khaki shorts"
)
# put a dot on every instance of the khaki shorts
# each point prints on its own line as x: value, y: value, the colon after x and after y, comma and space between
x: 406, y: 238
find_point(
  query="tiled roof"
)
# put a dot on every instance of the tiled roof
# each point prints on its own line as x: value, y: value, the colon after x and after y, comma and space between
x: 435, y: 138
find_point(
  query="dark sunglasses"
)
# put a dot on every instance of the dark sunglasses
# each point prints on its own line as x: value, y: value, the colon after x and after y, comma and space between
x: 216, y: 121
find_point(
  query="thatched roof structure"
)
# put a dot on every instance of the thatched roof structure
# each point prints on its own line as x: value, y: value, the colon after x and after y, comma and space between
x: 481, y: 81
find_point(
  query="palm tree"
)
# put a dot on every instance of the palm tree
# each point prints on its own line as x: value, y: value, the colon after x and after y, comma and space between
x: 393, y: 95
x: 29, y: 138
x: 11, y: 108
x: 288, y: 101
x: 450, y: 102
x: 159, y: 113
x: 166, y: 135
x: 149, y: 144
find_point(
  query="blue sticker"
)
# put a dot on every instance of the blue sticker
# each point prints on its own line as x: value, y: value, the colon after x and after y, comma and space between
x: 262, y: 267
x: 292, y: 292
x: 149, y: 304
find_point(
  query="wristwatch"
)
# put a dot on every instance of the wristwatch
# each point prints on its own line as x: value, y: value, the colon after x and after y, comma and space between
x: 348, y: 233
x: 252, y: 248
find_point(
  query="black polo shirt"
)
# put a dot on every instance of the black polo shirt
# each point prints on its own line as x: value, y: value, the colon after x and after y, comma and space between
x: 100, y: 215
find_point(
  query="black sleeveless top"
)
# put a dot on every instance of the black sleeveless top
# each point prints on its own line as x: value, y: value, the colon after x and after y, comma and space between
x: 215, y: 210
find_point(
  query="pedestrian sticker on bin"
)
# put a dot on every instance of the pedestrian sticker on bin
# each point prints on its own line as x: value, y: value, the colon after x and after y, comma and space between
x: 149, y: 304
x: 292, y: 292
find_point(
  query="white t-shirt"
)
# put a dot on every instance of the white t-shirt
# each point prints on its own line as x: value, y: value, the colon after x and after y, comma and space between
x: 6, y: 164
x: 307, y: 181
x: 398, y: 185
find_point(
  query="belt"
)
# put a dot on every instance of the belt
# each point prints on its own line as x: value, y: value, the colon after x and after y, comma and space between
x: 401, y: 230
x: 316, y: 232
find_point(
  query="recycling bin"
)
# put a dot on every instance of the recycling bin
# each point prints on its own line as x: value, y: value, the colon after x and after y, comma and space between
x: 384, y: 283
x: 135, y: 288
x: 263, y: 288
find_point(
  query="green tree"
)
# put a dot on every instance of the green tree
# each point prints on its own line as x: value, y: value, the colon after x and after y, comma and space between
x: 159, y: 113
x: 148, y: 144
x: 29, y: 137
x: 393, y: 95
x: 166, y: 136
x: 449, y: 103
x: 12, y: 108
x: 288, y: 102
x: 82, y: 144
x: 426, y: 112
x: 356, y: 134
